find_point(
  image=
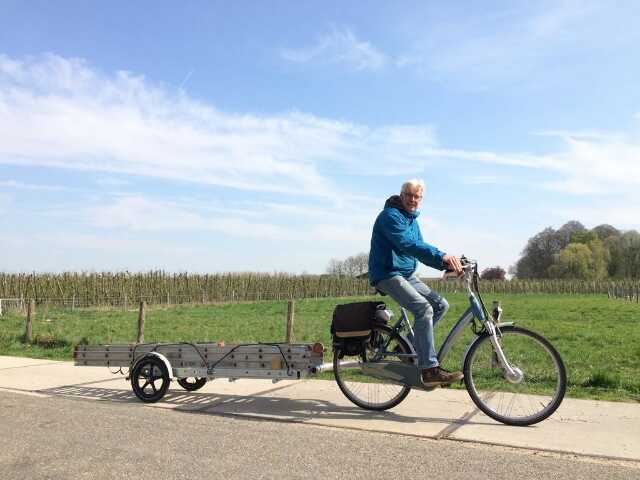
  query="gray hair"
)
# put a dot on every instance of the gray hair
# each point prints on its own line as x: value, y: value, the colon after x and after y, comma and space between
x: 413, y: 183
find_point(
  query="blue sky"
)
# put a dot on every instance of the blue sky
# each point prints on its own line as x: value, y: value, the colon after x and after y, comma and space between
x: 266, y: 136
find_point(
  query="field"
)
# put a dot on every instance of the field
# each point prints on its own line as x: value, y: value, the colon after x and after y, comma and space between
x: 598, y: 337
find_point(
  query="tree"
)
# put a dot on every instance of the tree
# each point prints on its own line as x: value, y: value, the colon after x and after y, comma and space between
x: 542, y: 250
x: 351, y: 266
x: 583, y: 237
x: 569, y: 229
x: 581, y: 261
x: 600, y: 258
x: 624, y: 255
x: 572, y: 262
x: 537, y: 256
x: 613, y: 244
x: 334, y: 267
x: 630, y: 255
x: 493, y: 273
x: 605, y: 231
x: 612, y: 253
x: 356, y: 264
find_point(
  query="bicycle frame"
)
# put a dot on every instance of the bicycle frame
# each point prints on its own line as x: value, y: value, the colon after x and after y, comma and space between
x: 476, y: 310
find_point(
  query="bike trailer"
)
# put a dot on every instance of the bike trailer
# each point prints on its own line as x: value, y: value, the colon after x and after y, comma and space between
x: 151, y: 362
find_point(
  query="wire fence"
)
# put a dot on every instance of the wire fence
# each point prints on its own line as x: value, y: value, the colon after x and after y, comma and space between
x: 631, y: 293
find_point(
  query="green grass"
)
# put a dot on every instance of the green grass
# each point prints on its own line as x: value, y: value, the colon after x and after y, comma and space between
x: 598, y: 338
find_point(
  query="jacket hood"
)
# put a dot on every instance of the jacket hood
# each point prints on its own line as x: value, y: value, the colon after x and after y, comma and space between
x: 395, y: 202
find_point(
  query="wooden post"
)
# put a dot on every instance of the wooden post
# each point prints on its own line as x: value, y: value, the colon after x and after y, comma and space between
x: 290, y: 316
x: 31, y: 312
x: 141, y: 315
x: 73, y: 302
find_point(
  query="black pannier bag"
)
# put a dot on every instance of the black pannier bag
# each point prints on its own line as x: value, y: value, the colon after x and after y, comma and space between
x: 352, y: 324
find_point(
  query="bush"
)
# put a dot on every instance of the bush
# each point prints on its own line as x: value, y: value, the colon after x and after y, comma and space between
x: 493, y: 273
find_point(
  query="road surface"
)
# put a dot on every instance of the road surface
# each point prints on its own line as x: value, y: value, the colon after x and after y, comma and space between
x: 63, y: 438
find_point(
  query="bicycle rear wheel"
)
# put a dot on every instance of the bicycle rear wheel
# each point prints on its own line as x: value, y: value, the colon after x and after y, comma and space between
x: 534, y: 393
x: 367, y: 391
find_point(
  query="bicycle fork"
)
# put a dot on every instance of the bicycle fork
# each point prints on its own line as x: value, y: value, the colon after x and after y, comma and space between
x: 512, y: 374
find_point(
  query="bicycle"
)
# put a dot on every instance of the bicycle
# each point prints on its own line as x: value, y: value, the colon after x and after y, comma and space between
x: 512, y: 374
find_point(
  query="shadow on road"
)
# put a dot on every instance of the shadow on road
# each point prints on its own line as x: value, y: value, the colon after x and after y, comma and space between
x: 262, y: 404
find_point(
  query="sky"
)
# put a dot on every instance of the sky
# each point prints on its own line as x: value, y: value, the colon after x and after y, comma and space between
x: 266, y: 136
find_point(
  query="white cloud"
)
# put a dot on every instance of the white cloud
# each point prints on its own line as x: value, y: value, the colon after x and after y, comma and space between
x: 29, y: 186
x: 138, y: 213
x: 339, y: 46
x: 589, y: 163
x: 5, y: 202
x: 517, y: 42
x: 484, y: 180
x: 112, y: 182
x: 492, y: 158
x: 600, y: 167
x: 581, y: 135
x: 79, y: 251
x: 57, y: 112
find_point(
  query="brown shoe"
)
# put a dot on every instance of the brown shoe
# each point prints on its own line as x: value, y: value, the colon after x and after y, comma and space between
x: 432, y: 377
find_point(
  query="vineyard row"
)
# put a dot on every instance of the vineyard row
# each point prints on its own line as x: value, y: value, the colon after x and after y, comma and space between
x: 119, y: 289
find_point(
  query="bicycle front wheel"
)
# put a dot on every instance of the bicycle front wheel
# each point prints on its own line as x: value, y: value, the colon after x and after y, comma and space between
x: 362, y: 389
x: 531, y: 393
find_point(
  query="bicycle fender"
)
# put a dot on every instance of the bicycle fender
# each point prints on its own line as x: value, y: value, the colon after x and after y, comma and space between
x: 164, y: 359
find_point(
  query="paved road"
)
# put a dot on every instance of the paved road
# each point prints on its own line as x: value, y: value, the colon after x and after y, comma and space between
x: 62, y: 438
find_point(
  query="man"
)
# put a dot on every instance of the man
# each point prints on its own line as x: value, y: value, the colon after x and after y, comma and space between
x: 396, y: 248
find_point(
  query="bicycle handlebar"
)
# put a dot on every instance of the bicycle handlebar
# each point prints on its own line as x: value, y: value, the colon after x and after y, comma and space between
x: 468, y: 266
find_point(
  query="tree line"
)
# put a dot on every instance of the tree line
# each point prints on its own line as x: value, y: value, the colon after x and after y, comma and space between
x: 570, y: 252
x: 352, y: 266
x: 576, y: 252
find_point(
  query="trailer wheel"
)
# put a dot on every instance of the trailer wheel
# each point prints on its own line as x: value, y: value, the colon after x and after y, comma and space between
x: 191, y: 384
x: 150, y: 379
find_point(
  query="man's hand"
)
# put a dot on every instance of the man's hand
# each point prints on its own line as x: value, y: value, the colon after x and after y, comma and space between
x: 453, y: 263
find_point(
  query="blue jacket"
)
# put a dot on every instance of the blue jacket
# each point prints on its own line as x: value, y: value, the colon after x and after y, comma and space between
x: 397, y: 245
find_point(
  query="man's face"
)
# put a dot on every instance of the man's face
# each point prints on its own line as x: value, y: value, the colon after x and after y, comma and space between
x: 411, y: 199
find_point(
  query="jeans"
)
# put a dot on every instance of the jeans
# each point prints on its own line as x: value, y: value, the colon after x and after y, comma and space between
x: 427, y: 308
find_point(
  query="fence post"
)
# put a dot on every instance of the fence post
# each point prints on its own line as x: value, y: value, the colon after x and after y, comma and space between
x: 141, y: 315
x: 290, y: 316
x: 0, y: 307
x: 31, y: 312
x: 73, y: 302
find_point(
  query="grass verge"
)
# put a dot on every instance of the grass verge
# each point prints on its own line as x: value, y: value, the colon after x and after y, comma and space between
x: 598, y: 338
